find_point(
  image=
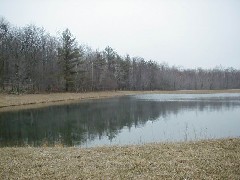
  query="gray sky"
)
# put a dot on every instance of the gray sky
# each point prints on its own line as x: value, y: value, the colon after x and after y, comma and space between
x: 188, y: 33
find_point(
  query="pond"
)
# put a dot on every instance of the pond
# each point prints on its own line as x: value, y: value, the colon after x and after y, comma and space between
x: 135, y: 119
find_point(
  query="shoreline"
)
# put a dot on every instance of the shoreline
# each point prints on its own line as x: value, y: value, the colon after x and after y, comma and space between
x: 204, y: 159
x: 10, y: 102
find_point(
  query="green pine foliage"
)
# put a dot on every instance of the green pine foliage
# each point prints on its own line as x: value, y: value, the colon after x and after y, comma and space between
x: 69, y: 58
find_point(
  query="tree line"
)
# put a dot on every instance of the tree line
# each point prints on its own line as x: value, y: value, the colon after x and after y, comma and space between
x: 32, y: 60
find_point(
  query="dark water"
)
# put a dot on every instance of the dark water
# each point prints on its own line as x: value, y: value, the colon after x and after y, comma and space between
x: 125, y: 120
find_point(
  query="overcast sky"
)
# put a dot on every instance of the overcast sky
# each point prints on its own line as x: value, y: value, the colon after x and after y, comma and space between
x: 188, y: 33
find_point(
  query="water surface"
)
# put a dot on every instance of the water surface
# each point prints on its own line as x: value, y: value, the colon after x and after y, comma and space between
x: 125, y: 120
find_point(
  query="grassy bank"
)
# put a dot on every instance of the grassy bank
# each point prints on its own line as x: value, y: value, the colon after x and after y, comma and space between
x: 9, y: 100
x: 209, y: 159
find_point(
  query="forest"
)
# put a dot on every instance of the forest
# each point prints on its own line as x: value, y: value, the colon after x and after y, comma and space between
x: 32, y: 60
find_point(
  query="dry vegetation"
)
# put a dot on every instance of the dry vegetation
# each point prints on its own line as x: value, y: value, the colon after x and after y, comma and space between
x: 209, y: 159
x: 25, y: 99
x: 7, y: 100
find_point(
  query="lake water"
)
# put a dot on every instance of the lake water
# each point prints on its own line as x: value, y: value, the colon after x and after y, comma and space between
x: 125, y: 120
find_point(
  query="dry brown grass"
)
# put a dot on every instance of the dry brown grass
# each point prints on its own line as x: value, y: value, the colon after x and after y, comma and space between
x: 10, y: 100
x: 209, y: 159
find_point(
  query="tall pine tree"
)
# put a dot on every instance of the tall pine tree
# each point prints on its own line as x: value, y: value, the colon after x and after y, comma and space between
x: 69, y: 58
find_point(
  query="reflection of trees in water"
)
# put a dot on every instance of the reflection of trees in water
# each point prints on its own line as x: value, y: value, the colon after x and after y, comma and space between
x: 74, y: 124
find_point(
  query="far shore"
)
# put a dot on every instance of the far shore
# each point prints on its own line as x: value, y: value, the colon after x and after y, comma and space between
x: 22, y: 101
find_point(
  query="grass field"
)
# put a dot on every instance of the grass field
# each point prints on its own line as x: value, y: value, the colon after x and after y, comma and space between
x: 208, y: 159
